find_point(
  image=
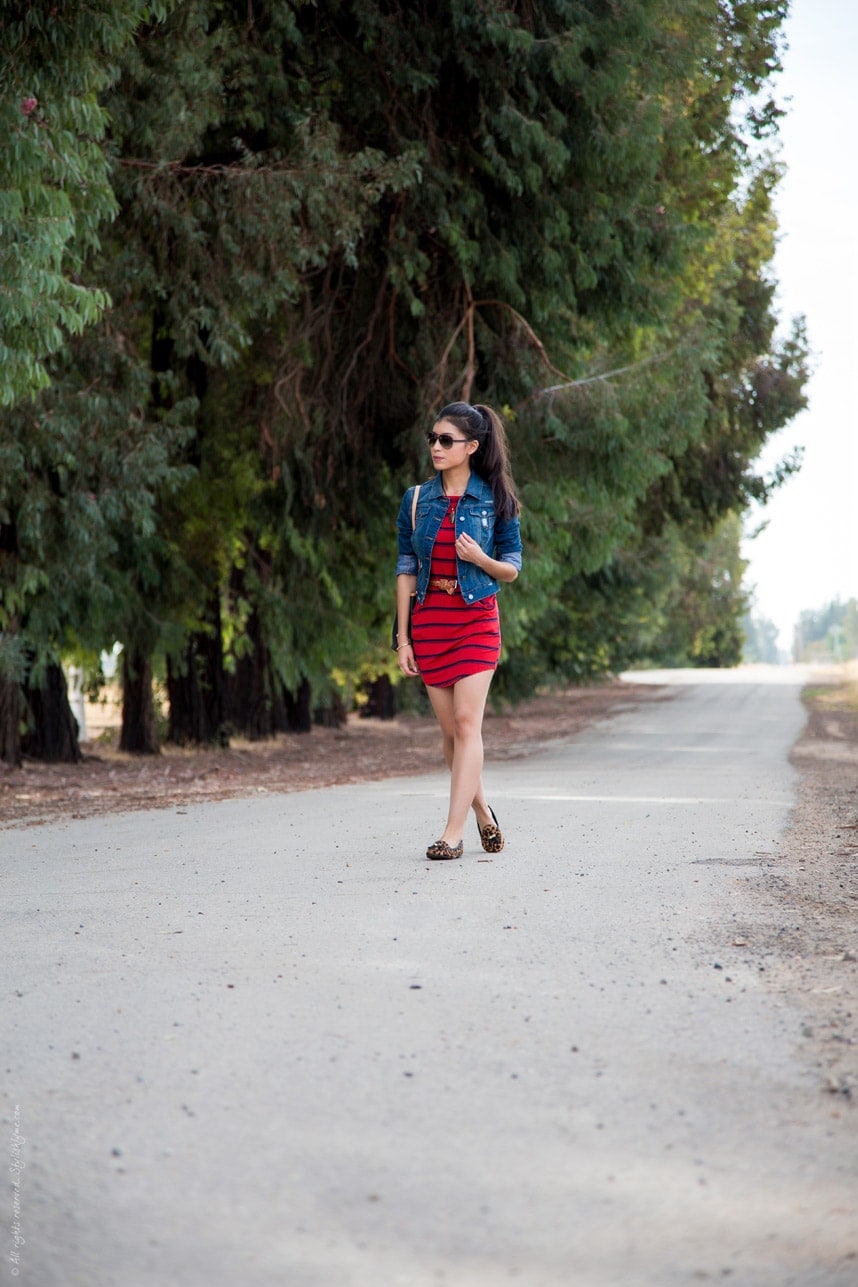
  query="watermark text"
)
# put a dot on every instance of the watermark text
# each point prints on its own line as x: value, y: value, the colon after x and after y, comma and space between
x: 16, y: 1169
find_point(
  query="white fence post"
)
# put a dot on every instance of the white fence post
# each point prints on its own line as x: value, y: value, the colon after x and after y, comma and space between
x: 77, y: 701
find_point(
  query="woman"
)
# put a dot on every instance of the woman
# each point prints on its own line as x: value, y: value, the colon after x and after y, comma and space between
x: 456, y: 545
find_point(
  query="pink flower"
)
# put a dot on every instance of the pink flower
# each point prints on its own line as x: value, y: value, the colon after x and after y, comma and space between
x: 29, y: 105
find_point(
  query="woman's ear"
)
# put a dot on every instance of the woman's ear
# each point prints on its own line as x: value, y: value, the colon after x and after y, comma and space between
x: 472, y: 446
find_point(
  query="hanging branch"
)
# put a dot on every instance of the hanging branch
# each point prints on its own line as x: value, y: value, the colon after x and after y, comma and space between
x: 467, y: 323
x: 391, y: 337
x: 567, y: 382
x: 534, y: 338
x: 471, y: 362
x: 606, y: 375
x: 442, y: 364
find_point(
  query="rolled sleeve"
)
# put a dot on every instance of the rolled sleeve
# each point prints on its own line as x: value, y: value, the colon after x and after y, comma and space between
x: 508, y: 542
x: 406, y: 562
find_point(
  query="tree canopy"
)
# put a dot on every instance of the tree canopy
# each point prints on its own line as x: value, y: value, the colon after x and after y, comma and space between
x: 303, y: 228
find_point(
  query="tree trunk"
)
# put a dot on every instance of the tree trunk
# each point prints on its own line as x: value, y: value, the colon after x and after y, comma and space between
x: 333, y: 715
x: 139, y: 734
x: 381, y: 699
x: 197, y: 691
x: 53, y: 731
x: 10, y: 722
x: 10, y: 672
x: 250, y: 697
x: 299, y: 716
x: 279, y: 713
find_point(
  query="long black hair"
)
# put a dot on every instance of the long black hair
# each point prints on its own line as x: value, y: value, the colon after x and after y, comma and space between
x: 491, y: 459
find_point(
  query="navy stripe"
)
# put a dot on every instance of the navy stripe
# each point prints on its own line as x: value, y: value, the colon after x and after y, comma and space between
x: 452, y: 622
x: 438, y: 645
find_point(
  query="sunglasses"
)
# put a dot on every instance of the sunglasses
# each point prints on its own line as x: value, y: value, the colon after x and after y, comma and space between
x: 445, y: 439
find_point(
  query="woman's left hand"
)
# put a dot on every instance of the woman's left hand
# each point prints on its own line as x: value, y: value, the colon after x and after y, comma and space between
x: 469, y: 549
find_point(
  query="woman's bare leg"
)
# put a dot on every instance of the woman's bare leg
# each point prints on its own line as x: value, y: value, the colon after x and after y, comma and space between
x: 459, y: 711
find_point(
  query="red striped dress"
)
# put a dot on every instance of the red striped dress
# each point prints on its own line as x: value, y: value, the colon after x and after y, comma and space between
x: 452, y: 638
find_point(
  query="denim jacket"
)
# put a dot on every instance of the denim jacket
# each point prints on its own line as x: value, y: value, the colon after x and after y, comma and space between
x: 475, y: 514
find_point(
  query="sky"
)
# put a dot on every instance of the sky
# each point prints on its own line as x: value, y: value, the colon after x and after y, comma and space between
x: 808, y: 553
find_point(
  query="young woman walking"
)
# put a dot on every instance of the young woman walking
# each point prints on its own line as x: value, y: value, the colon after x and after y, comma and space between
x: 459, y: 538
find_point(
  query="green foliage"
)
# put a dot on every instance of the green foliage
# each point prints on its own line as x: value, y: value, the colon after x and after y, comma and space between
x: 329, y: 220
x: 80, y: 469
x: 55, y: 189
x: 704, y: 602
x: 675, y: 599
x: 827, y: 634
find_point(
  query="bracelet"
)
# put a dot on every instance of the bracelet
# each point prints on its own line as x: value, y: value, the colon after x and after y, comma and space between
x: 407, y: 644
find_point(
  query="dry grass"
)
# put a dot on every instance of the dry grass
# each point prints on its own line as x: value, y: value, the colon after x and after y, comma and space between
x: 838, y: 693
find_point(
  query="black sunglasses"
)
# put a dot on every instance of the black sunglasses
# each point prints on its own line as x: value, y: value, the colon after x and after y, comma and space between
x: 445, y: 439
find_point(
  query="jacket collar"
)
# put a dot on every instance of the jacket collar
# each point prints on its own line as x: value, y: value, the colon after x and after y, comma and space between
x: 477, y: 487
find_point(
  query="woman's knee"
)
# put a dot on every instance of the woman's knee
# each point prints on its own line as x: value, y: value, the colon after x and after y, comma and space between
x: 468, y: 725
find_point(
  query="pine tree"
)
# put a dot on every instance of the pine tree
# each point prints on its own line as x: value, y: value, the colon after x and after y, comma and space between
x: 55, y: 196
x: 331, y: 220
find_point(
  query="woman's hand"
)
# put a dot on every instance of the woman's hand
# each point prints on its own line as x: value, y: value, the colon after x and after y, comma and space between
x: 472, y: 552
x: 469, y: 549
x: 405, y: 657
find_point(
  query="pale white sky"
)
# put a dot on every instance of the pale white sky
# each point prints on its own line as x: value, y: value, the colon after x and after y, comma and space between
x: 808, y: 554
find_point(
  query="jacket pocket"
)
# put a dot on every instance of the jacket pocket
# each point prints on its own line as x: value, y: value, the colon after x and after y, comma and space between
x: 480, y: 524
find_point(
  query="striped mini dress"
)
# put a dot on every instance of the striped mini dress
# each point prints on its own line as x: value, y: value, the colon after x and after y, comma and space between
x: 452, y: 638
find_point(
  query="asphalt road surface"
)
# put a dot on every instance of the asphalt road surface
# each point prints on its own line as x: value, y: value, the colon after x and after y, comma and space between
x: 264, y: 1042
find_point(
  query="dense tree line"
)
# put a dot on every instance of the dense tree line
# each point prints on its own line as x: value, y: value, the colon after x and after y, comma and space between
x: 250, y: 247
x: 827, y: 634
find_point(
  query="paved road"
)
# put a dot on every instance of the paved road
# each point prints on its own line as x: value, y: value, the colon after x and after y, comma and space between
x: 263, y: 1042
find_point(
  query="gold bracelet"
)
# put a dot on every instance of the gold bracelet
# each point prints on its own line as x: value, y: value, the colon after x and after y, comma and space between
x: 407, y: 644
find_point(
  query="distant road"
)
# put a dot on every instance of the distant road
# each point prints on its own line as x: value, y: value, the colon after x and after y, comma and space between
x: 790, y: 676
x: 264, y: 1042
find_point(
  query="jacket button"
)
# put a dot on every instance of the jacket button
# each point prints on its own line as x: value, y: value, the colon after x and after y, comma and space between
x: 470, y: 596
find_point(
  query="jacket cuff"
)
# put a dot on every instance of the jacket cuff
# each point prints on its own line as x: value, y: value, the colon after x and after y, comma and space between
x: 513, y: 559
x: 406, y: 565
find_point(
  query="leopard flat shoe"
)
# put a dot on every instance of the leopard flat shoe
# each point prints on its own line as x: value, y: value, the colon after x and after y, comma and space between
x: 491, y: 836
x: 441, y: 850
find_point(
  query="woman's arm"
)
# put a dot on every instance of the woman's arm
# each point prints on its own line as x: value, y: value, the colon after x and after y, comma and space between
x: 406, y: 558
x: 471, y: 551
x: 406, y: 585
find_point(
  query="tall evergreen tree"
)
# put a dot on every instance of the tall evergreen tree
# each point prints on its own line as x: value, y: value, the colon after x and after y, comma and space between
x: 333, y: 218
x: 55, y: 196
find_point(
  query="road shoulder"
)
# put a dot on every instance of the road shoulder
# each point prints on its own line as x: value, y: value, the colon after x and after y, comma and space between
x: 807, y: 938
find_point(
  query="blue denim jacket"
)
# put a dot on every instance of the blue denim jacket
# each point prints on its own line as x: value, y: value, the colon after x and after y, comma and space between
x: 475, y: 514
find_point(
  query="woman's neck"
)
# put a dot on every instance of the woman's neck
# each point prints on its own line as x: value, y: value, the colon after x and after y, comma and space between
x: 454, y: 481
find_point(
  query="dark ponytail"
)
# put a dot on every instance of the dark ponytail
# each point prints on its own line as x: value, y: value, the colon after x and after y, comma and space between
x: 491, y: 459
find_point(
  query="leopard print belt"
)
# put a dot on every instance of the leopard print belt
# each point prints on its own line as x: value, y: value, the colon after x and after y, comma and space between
x: 449, y: 584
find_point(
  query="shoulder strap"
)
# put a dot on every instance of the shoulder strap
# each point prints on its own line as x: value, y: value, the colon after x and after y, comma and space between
x: 414, y: 506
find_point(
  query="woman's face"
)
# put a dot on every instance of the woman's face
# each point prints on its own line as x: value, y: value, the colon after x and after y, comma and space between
x: 449, y: 446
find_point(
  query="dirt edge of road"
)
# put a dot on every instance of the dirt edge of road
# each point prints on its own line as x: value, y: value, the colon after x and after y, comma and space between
x: 806, y: 937
x: 363, y: 750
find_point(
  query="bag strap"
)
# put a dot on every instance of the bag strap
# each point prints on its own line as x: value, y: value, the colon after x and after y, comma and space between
x: 414, y: 506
